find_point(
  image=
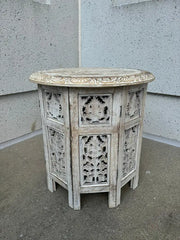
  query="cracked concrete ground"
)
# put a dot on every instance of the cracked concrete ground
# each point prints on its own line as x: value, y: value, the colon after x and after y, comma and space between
x: 28, y: 211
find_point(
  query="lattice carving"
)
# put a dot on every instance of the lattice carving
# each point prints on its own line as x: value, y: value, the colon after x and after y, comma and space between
x: 134, y: 103
x: 130, y: 146
x: 57, y: 153
x: 94, y: 155
x: 95, y: 109
x: 54, y: 108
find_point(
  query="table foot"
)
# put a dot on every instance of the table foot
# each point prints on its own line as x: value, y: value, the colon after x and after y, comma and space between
x: 70, y: 199
x: 134, y: 182
x: 112, y: 199
x: 77, y: 202
x: 51, y: 184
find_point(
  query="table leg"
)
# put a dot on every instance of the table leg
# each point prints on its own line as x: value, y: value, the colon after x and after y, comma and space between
x: 51, y: 184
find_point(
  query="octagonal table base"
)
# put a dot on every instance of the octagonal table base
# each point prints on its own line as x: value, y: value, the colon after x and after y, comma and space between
x: 92, y: 138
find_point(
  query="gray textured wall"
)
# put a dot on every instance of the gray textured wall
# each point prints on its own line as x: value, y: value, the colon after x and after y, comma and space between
x: 33, y: 36
x: 145, y: 35
x: 19, y: 115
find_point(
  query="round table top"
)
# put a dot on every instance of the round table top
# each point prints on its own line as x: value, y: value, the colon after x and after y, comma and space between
x: 91, y: 77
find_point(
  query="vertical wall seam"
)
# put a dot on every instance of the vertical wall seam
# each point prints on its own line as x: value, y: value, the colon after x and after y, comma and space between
x: 79, y: 33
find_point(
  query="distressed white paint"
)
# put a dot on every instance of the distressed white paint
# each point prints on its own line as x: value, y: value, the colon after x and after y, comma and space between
x: 92, y: 136
x: 91, y: 77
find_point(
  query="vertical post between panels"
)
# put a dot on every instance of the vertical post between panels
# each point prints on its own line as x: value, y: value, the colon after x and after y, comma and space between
x: 135, y: 180
x: 50, y: 182
x: 68, y: 144
x: 122, y: 106
x: 113, y: 174
x: 74, y: 147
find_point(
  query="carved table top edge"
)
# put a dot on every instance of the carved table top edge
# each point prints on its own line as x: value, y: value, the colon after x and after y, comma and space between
x: 91, y: 77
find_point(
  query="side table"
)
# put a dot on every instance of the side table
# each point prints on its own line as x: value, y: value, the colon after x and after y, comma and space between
x: 92, y: 129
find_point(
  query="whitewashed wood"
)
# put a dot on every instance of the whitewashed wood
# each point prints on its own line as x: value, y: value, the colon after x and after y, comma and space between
x: 60, y: 125
x: 128, y: 178
x: 89, y: 159
x: 92, y: 136
x: 115, y: 103
x: 68, y: 148
x: 122, y: 106
x: 94, y: 189
x: 91, y: 77
x: 50, y: 182
x: 135, y: 180
x: 130, y: 136
x: 95, y: 131
x: 132, y: 123
x: 114, y: 149
x: 134, y: 101
x: 130, y: 149
x: 60, y: 182
x: 55, y: 131
x: 74, y: 149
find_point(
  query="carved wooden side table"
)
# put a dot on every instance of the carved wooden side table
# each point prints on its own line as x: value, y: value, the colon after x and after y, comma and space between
x: 92, y: 128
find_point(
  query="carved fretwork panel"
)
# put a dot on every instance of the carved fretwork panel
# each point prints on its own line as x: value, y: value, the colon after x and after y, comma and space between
x: 95, y: 109
x: 134, y: 104
x: 94, y: 159
x: 54, y: 105
x: 130, y: 149
x: 57, y: 153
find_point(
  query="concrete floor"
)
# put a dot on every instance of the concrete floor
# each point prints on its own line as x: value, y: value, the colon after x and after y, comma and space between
x: 29, y: 211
